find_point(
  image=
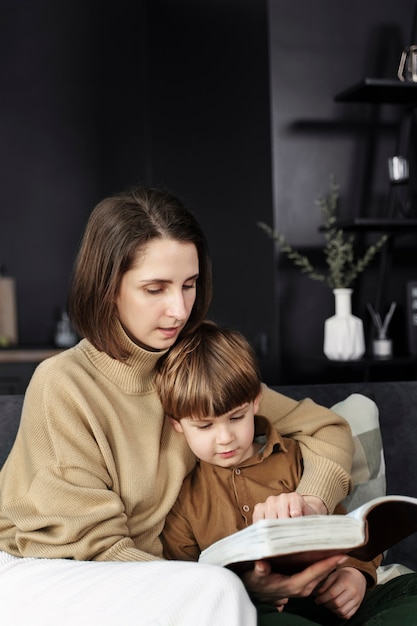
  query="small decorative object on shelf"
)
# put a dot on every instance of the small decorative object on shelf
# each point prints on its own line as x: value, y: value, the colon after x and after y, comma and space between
x: 398, y: 169
x: 399, y: 175
x: 407, y: 69
x: 65, y: 336
x: 343, y: 332
x: 343, y: 269
x: 382, y: 346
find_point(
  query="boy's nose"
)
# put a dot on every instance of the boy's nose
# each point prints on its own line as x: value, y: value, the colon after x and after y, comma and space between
x: 224, y: 435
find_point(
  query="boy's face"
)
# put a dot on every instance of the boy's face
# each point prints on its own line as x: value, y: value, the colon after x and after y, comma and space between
x: 226, y: 440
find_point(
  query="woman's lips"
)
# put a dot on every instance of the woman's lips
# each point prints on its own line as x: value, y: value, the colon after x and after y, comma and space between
x: 170, y: 332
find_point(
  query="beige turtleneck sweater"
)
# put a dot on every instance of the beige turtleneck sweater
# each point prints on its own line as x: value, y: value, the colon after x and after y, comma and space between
x: 95, y: 467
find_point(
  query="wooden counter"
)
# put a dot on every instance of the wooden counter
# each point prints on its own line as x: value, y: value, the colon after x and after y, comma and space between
x: 26, y: 355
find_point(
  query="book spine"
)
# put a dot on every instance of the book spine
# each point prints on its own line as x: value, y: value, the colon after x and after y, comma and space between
x: 412, y: 317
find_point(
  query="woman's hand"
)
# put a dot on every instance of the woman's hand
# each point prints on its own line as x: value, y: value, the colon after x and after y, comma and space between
x: 288, y: 505
x: 342, y: 592
x: 271, y: 588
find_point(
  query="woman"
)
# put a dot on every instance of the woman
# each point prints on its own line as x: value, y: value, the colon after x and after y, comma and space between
x: 95, y: 468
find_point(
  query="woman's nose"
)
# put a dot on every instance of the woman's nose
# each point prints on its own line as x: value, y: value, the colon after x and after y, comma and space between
x: 177, y: 307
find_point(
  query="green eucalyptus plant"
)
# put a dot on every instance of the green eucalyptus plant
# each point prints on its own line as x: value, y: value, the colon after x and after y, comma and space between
x: 339, y: 250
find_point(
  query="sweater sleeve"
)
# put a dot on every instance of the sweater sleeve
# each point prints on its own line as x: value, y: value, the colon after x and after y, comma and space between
x: 325, y: 440
x: 66, y: 501
x: 68, y: 512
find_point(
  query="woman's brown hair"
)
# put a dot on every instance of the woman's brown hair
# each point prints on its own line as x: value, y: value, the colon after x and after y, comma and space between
x: 116, y: 231
x: 208, y: 374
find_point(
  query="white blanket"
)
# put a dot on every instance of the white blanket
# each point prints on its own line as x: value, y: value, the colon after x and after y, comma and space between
x: 43, y: 592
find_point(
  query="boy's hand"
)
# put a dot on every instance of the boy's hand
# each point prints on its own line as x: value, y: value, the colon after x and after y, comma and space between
x: 288, y: 505
x: 342, y: 592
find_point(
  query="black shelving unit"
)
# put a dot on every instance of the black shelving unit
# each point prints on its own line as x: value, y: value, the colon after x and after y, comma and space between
x: 395, y: 92
x: 377, y: 92
x: 367, y: 368
x: 380, y: 91
x: 384, y: 225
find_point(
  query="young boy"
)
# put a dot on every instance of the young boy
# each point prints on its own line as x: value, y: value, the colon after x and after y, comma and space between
x: 209, y: 385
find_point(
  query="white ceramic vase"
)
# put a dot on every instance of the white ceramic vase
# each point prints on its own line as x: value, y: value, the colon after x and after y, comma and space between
x: 343, y: 332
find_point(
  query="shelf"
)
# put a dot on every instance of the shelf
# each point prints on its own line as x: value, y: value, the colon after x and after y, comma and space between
x: 366, y: 224
x: 368, y: 361
x: 26, y: 355
x: 380, y: 90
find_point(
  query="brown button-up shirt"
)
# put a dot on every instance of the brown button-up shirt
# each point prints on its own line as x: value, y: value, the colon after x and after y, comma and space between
x: 215, y: 502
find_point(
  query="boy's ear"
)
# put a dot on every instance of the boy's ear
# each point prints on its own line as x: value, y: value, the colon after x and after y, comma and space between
x: 176, y: 424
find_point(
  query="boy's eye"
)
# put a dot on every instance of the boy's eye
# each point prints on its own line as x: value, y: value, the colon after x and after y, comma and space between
x: 236, y: 418
x: 203, y: 426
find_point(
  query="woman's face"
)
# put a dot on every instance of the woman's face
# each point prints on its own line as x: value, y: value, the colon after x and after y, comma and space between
x: 157, y: 294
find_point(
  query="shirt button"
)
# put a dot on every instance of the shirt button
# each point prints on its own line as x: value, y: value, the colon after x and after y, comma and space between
x: 246, y: 508
x: 237, y: 471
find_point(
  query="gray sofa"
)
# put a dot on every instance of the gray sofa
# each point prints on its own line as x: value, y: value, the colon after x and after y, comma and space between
x: 397, y: 404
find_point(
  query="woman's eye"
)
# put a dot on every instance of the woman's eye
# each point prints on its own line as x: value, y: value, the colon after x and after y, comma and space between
x: 153, y: 290
x: 190, y: 286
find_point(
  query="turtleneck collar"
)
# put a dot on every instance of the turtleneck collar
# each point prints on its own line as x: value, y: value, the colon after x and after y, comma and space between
x: 135, y: 375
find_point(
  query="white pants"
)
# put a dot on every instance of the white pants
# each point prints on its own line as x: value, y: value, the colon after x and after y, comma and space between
x: 47, y: 592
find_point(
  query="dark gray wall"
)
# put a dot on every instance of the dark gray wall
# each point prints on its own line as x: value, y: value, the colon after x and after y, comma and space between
x: 319, y: 49
x: 97, y: 96
x: 210, y: 143
x: 71, y: 124
x: 100, y: 96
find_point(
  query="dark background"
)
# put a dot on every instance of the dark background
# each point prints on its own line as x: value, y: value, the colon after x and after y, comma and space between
x: 229, y: 104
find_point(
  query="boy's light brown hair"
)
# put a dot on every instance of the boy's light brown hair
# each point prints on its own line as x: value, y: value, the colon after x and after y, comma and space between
x: 207, y: 374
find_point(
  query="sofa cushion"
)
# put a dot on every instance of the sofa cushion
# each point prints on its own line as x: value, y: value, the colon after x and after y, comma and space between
x: 368, y: 466
x: 10, y: 409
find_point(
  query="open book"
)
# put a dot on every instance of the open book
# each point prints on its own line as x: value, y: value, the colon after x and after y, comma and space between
x: 291, y: 544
